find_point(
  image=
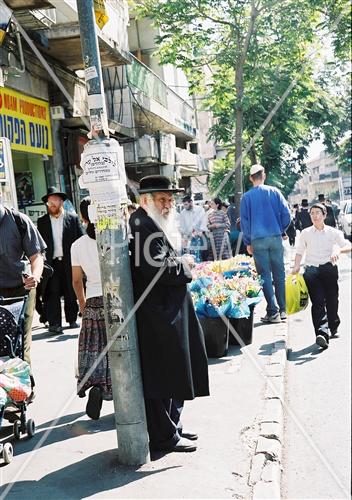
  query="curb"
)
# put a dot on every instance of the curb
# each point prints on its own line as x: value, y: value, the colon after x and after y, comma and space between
x: 266, y: 465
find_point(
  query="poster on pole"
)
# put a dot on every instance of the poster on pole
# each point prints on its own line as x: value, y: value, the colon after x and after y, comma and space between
x: 105, y: 177
x: 2, y: 163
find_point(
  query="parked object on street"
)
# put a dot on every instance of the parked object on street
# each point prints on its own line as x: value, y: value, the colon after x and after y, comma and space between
x: 321, y: 246
x: 92, y: 338
x: 15, y: 379
x: 226, y: 292
x: 345, y: 219
x: 216, y: 336
x: 297, y: 297
x: 243, y: 329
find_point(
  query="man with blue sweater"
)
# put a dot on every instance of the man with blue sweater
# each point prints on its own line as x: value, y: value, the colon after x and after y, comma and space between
x: 264, y: 218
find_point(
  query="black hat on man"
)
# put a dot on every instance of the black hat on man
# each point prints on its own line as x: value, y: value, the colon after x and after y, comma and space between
x: 304, y: 202
x: 157, y: 183
x: 54, y: 190
x: 321, y: 197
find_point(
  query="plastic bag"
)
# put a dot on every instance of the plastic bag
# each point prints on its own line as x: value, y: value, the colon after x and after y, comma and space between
x: 297, y: 297
x: 15, y: 378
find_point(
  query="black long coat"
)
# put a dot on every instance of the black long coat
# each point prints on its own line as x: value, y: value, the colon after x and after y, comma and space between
x: 72, y: 230
x: 173, y: 356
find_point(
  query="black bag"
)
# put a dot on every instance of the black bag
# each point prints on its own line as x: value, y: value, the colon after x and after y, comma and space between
x: 22, y: 229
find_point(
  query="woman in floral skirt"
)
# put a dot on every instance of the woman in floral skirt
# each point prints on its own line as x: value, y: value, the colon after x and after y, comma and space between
x: 219, y: 226
x: 92, y: 337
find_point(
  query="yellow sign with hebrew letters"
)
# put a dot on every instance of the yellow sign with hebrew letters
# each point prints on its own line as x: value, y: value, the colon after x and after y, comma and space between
x: 101, y: 17
x: 25, y: 121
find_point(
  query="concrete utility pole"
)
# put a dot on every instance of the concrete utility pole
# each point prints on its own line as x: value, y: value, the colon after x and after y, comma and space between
x: 104, y: 176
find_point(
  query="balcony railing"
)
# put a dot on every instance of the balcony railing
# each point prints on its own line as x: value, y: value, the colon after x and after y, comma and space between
x: 141, y: 77
x: 153, y: 87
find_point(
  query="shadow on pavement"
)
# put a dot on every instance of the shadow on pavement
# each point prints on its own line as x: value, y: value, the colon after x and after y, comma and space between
x: 42, y: 336
x: 64, y: 432
x: 266, y: 349
x: 92, y: 475
x: 65, y: 419
x: 304, y: 355
x: 62, y: 337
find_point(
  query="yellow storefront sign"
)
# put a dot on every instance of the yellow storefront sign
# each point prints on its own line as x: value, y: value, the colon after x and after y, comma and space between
x: 25, y: 121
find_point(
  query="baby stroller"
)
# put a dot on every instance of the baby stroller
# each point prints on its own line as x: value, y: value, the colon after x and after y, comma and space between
x: 15, y: 385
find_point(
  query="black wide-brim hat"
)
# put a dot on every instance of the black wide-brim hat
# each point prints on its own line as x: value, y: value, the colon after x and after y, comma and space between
x: 157, y: 183
x: 54, y: 190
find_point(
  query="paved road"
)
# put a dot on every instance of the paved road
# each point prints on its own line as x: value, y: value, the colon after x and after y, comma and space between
x: 317, y: 461
x: 74, y: 457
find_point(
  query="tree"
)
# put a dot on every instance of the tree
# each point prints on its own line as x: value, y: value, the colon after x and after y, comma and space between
x: 344, y: 158
x: 262, y: 56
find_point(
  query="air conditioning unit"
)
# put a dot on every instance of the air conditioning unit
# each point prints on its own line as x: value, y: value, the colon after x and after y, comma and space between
x: 148, y: 150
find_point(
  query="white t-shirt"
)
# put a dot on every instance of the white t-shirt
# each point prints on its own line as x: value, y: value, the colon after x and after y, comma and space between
x: 57, y: 227
x: 192, y: 220
x: 84, y: 253
x: 318, y: 245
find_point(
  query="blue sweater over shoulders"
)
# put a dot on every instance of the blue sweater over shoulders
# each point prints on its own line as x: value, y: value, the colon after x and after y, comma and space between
x: 264, y: 212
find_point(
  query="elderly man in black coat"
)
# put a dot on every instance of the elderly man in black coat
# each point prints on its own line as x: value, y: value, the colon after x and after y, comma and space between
x: 173, y: 356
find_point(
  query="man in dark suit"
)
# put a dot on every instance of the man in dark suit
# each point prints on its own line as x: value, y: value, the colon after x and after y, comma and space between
x: 303, y: 219
x: 173, y: 356
x: 59, y: 230
x: 330, y: 216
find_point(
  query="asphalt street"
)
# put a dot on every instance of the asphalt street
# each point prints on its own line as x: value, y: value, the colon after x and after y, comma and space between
x: 317, y: 452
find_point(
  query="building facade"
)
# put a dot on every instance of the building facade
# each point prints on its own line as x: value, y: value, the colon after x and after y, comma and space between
x: 322, y: 177
x: 43, y: 101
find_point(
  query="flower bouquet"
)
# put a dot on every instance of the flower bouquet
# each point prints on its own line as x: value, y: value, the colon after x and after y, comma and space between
x: 226, y: 288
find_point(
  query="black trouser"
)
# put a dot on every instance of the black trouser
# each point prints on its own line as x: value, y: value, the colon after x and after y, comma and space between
x: 163, y: 421
x: 59, y: 285
x: 324, y: 294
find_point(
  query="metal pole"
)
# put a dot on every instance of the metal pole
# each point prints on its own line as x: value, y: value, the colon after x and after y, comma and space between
x: 104, y: 176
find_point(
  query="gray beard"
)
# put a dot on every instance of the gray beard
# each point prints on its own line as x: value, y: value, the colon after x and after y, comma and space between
x: 168, y: 224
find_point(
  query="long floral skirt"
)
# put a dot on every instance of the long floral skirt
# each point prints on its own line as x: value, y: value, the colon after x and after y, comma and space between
x: 92, y: 341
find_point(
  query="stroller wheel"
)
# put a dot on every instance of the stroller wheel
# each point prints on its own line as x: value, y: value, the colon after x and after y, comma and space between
x: 17, y: 429
x: 7, y: 453
x: 30, y: 428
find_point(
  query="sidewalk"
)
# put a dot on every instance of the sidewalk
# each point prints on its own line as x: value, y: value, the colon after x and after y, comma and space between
x: 239, y: 428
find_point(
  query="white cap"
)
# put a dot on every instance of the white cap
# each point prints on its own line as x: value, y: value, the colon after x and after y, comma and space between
x: 256, y: 168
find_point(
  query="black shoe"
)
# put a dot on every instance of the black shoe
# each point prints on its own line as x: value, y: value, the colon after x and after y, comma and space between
x: 333, y: 333
x: 321, y: 341
x: 74, y: 324
x: 95, y: 401
x: 55, y: 329
x: 190, y: 435
x: 184, y: 445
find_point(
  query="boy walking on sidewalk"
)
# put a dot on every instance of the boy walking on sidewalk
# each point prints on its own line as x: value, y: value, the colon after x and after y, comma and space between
x: 322, y: 245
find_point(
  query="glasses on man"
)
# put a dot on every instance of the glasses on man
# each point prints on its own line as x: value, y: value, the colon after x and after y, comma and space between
x: 52, y: 203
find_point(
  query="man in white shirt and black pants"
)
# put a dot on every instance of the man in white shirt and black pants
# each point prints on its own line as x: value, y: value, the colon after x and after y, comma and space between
x: 59, y: 230
x: 321, y: 245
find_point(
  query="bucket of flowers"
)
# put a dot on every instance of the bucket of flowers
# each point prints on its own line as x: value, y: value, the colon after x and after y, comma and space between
x: 225, y: 293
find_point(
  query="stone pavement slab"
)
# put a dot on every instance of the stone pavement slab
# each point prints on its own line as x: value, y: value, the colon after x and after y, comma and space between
x: 72, y: 456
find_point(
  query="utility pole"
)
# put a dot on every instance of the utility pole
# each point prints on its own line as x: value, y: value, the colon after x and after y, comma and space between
x: 104, y: 176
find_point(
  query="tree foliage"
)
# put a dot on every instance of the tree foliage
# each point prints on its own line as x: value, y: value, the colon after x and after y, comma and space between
x: 262, y: 59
